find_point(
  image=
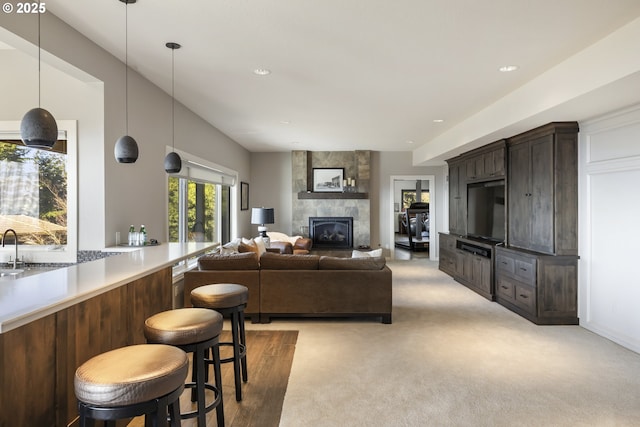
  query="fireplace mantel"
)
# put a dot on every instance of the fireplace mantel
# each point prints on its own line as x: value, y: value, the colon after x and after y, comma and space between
x: 331, y: 195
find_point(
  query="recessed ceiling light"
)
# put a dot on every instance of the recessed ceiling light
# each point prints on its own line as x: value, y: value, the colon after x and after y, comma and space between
x: 438, y: 120
x: 261, y: 72
x: 508, y: 68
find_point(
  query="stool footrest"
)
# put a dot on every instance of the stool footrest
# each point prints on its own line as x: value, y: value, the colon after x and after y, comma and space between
x: 211, y: 406
x: 243, y: 353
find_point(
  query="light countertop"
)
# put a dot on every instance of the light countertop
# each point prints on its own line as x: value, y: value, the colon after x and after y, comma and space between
x: 23, y: 300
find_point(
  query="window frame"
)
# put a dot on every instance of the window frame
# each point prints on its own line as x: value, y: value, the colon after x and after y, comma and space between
x: 67, y: 130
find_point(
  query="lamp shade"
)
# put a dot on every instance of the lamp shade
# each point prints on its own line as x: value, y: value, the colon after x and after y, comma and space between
x: 126, y: 150
x: 38, y: 129
x: 262, y: 216
x: 172, y: 162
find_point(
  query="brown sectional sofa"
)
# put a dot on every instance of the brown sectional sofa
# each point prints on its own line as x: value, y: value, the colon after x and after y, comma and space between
x: 287, y: 285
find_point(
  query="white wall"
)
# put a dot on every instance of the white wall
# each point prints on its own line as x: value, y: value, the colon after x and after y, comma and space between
x: 270, y: 186
x: 112, y: 195
x: 609, y: 284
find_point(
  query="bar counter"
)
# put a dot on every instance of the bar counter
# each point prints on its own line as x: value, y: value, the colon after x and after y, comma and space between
x: 54, y: 321
x: 23, y: 300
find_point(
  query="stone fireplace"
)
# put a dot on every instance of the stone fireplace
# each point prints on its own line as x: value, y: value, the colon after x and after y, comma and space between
x: 309, y: 204
x: 331, y: 232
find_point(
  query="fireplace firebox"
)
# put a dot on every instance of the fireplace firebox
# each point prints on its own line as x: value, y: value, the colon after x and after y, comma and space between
x: 331, y: 232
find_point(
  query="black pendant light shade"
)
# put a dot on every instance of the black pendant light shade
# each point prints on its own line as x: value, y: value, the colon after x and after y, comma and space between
x: 38, y: 129
x: 126, y: 150
x: 173, y: 162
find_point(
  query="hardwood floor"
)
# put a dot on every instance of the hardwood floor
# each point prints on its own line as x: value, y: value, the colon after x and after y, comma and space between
x: 269, y: 358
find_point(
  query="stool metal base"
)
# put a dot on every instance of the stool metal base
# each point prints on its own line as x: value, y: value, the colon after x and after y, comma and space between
x: 155, y: 411
x: 239, y: 344
x: 199, y: 378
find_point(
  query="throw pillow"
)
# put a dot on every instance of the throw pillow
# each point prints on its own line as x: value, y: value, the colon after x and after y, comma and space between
x: 231, y: 247
x: 248, y: 246
x: 371, y: 254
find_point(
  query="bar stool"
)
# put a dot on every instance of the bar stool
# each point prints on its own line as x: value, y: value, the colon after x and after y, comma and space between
x: 131, y: 381
x: 194, y: 330
x: 228, y: 299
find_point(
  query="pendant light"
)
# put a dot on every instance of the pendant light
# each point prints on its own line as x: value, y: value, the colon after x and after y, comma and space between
x: 38, y: 128
x: 173, y: 162
x: 126, y: 148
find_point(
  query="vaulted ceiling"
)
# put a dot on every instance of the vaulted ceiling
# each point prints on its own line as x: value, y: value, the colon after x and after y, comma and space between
x: 381, y: 75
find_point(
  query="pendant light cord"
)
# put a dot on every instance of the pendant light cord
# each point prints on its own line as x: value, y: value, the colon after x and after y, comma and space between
x: 39, y: 64
x: 173, y: 102
x: 126, y: 67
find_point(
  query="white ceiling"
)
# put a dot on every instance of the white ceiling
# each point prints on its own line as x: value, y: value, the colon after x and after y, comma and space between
x: 345, y: 74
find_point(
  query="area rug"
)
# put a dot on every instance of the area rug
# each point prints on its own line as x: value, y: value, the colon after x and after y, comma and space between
x: 269, y: 359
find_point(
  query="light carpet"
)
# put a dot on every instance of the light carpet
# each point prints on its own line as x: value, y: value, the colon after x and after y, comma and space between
x: 453, y: 358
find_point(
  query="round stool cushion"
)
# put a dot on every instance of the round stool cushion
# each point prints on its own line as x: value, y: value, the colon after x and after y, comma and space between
x: 131, y: 374
x: 221, y: 295
x: 183, y: 326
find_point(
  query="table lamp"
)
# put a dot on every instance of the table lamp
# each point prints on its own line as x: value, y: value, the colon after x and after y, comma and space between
x: 262, y: 216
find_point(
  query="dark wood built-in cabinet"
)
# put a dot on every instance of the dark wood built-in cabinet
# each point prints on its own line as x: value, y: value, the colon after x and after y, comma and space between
x: 457, y: 198
x: 543, y: 190
x: 536, y: 286
x: 534, y: 272
x: 469, y: 262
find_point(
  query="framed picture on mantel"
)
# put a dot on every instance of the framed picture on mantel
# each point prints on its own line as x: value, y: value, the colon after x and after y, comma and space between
x: 328, y: 179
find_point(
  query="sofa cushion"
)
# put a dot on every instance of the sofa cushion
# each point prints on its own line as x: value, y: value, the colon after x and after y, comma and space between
x: 274, y: 261
x: 335, y: 263
x: 370, y: 254
x: 239, y: 261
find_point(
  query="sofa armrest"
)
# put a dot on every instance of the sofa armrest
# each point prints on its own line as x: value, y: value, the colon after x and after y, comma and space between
x: 282, y: 247
x: 303, y: 243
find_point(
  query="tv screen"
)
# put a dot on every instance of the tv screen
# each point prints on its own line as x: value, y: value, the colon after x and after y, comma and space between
x: 486, y: 210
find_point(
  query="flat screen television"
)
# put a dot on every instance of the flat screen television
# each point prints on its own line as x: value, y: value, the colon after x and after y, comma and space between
x: 486, y: 210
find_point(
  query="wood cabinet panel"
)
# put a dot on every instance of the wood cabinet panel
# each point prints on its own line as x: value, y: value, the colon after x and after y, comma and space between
x: 27, y: 359
x: 542, y: 288
x: 39, y: 360
x: 470, y: 269
x: 146, y: 297
x: 457, y: 198
x: 542, y: 189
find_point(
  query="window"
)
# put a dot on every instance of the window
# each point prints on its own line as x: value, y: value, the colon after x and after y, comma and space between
x: 199, y: 202
x: 37, y: 195
x: 409, y: 197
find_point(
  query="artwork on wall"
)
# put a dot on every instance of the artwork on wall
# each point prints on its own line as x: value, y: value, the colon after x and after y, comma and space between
x: 328, y: 179
x: 244, y: 196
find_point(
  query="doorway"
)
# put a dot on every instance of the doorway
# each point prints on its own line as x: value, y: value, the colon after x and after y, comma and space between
x: 404, y: 190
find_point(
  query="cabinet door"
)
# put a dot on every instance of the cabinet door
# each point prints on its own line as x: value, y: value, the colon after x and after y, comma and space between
x: 482, y: 273
x: 542, y: 191
x: 457, y: 224
x: 519, y: 195
x: 497, y: 163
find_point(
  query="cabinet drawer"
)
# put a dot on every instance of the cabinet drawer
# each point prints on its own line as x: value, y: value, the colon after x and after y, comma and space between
x: 526, y: 270
x: 505, y: 289
x: 505, y: 264
x: 525, y: 298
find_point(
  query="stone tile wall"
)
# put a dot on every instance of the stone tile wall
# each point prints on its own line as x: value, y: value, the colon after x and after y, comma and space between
x: 356, y: 165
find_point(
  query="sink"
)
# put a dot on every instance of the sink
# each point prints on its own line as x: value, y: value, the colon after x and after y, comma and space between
x: 10, y: 271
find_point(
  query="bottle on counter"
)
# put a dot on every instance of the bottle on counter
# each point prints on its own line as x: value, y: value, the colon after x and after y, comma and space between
x: 143, y: 236
x: 132, y: 231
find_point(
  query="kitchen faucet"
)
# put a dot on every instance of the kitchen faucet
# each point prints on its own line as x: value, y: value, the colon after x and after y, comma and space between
x: 15, y: 242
